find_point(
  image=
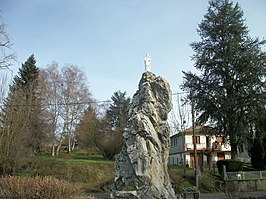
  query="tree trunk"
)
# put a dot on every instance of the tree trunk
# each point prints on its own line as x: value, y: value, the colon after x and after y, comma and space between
x: 69, y: 142
x: 73, y: 145
x: 54, y: 133
x: 59, y: 145
x: 209, y: 161
x: 234, y: 153
x: 53, y: 150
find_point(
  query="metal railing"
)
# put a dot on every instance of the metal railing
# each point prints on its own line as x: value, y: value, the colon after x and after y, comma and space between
x: 246, y: 175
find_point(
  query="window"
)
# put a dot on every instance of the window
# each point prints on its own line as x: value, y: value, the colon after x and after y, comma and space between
x: 174, y: 141
x: 208, y: 144
x: 197, y: 139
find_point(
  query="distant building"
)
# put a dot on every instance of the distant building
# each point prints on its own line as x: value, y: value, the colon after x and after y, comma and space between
x: 210, y: 148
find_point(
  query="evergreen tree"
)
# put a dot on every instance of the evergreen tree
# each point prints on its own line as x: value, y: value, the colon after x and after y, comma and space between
x: 232, y: 67
x: 27, y: 78
x: 118, y: 110
x: 21, y: 130
x: 27, y: 82
x: 257, y: 153
x: 257, y: 150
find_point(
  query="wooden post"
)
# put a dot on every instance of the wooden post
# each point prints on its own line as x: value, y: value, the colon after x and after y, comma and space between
x: 224, y: 172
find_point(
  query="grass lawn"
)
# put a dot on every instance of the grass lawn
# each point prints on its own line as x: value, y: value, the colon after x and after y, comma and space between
x: 94, y: 173
x: 89, y: 171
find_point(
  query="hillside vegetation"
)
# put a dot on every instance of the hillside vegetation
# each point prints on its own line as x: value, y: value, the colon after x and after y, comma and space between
x: 92, y: 173
x: 89, y: 172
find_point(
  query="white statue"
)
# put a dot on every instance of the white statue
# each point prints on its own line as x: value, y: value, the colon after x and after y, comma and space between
x: 147, y: 62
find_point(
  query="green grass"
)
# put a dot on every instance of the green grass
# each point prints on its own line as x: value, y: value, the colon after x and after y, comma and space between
x: 89, y: 171
x: 75, y: 156
x: 92, y: 172
x: 207, y: 181
x: 180, y: 170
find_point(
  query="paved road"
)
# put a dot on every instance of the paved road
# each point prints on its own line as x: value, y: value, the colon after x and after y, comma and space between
x: 247, y: 195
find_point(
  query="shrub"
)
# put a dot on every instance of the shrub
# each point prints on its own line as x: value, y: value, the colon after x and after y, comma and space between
x: 231, y: 165
x: 36, y: 187
x: 209, y: 183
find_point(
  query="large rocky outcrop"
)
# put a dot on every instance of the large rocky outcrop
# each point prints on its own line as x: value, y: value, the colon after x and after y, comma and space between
x: 141, y: 167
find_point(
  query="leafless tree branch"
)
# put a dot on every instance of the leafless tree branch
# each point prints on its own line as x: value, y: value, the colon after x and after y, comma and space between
x: 6, y: 59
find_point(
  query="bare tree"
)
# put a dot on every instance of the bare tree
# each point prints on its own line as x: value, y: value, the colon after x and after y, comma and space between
x: 50, y: 89
x: 13, y: 153
x: 180, y: 117
x: 19, y: 133
x: 5, y: 45
x: 5, y: 81
x: 180, y: 121
x: 65, y: 97
x: 76, y: 97
x: 5, y: 60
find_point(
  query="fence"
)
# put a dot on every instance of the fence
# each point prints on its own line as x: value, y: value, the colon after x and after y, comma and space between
x: 242, y: 181
x: 246, y: 175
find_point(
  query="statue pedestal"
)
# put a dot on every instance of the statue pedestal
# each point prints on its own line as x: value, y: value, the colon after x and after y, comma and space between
x: 141, y: 166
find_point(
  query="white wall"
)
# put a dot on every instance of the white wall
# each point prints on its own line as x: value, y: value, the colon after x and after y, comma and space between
x: 176, y: 149
x: 175, y: 159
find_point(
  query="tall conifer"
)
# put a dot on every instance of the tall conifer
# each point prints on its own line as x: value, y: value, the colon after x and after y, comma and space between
x: 21, y: 130
x: 232, y: 71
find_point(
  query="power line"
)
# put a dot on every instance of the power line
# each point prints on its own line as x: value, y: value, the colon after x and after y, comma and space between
x: 180, y: 93
x: 60, y: 104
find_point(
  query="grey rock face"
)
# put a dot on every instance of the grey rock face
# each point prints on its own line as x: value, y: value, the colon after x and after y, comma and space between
x: 141, y: 167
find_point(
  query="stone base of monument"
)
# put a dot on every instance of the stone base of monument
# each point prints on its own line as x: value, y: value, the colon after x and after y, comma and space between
x: 141, y: 166
x: 126, y: 194
x: 190, y: 193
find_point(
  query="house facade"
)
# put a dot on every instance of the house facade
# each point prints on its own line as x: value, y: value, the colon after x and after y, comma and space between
x: 210, y: 148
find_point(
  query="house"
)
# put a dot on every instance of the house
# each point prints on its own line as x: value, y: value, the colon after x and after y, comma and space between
x: 210, y: 148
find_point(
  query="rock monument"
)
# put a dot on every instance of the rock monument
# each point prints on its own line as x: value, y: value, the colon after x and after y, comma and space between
x: 141, y: 166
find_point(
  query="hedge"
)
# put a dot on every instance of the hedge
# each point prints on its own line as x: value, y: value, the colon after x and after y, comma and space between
x: 231, y: 165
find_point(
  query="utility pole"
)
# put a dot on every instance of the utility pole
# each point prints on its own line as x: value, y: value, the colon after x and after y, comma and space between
x: 183, y: 156
x: 194, y: 138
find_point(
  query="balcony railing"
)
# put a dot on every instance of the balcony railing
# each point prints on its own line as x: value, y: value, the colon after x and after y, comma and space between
x: 203, y: 146
x: 199, y: 146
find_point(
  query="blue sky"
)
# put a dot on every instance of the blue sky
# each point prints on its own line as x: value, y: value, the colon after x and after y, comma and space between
x: 108, y: 39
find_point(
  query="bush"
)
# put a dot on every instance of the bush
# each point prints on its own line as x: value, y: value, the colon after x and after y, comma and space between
x: 209, y: 183
x: 231, y: 165
x: 36, y: 187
